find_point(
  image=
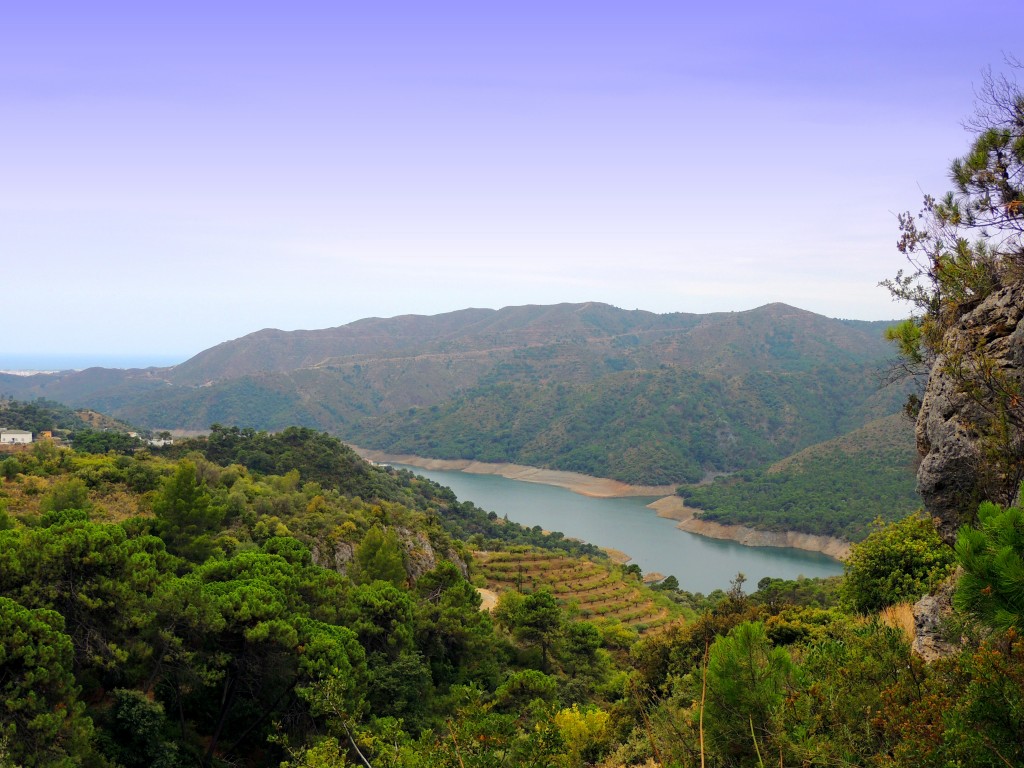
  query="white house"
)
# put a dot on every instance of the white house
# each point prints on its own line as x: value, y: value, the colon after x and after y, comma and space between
x: 14, y: 436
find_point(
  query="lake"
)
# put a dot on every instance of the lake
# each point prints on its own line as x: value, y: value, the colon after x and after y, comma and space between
x: 655, y: 544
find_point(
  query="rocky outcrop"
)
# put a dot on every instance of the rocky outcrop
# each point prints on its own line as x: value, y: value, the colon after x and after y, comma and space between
x: 420, y: 554
x: 952, y: 476
x: 931, y: 631
x: 336, y: 557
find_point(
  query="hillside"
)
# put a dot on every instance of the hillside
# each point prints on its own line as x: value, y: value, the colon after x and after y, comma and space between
x: 630, y: 395
x: 595, y: 591
x: 835, y: 488
x: 48, y: 416
x: 272, y: 600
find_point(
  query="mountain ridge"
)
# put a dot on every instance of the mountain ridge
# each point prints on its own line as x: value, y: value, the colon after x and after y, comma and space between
x: 578, y: 386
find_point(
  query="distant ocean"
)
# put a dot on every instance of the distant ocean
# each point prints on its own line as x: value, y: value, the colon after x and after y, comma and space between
x: 30, y: 363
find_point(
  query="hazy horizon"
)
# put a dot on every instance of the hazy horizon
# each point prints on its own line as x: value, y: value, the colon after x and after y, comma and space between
x: 67, y: 361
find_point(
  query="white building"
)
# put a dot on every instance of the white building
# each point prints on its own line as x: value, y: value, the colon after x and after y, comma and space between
x: 15, y: 437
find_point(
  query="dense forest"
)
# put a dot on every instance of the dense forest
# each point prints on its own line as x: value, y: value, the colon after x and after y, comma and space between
x: 651, y: 427
x: 258, y: 599
x: 837, y: 488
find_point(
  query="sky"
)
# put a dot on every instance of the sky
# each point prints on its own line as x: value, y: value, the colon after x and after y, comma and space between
x: 176, y: 175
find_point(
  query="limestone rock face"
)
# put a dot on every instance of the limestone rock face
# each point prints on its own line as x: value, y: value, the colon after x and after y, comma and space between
x: 930, y: 614
x: 950, y: 478
x: 337, y: 559
x: 420, y: 554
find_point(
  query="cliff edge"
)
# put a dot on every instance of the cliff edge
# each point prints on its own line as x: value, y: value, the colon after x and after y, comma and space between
x: 968, y: 431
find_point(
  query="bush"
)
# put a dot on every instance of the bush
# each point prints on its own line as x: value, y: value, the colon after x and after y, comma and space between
x: 897, y: 563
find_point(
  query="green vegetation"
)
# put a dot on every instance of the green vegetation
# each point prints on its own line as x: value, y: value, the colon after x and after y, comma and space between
x: 87, y: 430
x: 833, y: 489
x: 595, y: 591
x: 323, y: 459
x: 748, y: 677
x: 170, y: 610
x: 992, y: 556
x: 639, y: 397
x: 962, y: 249
x: 896, y: 563
x: 251, y: 600
x: 651, y: 427
x: 38, y: 416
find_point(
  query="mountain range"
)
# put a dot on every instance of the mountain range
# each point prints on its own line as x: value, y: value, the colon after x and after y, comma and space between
x: 632, y: 395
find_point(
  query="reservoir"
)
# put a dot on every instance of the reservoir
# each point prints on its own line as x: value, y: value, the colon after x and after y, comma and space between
x: 655, y: 544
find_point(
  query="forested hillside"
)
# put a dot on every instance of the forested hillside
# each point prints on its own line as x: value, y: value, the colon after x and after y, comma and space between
x: 270, y: 600
x: 48, y: 416
x: 649, y: 428
x: 836, y: 488
x: 634, y: 396
x: 85, y: 428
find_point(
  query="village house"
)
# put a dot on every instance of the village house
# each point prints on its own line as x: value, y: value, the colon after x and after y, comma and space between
x: 15, y: 437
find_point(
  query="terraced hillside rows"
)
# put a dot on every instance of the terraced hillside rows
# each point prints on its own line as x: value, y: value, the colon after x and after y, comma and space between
x: 600, y: 592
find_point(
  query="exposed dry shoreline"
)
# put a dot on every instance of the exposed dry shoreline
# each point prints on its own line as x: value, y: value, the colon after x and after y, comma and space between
x: 674, y: 508
x: 669, y: 505
x: 585, y: 485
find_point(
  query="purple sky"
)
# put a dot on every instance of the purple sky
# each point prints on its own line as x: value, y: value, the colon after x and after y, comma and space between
x: 175, y: 178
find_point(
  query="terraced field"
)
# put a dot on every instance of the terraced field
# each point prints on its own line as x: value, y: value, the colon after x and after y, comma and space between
x: 598, y: 591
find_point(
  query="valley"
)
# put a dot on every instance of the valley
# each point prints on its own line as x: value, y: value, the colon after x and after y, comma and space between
x: 627, y: 398
x: 653, y: 539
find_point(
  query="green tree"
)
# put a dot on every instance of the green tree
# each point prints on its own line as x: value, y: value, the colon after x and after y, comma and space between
x: 41, y: 719
x: 991, y: 588
x: 963, y: 248
x: 66, y: 494
x: 579, y: 648
x: 747, y: 682
x: 186, y: 514
x: 255, y: 645
x: 455, y: 637
x: 136, y: 734
x: 9, y: 468
x: 898, y: 562
x: 857, y: 675
x: 383, y: 618
x: 523, y: 688
x: 379, y: 558
x: 99, y: 579
x: 534, y: 619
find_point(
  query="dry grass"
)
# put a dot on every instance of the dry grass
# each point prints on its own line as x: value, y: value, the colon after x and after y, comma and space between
x: 24, y: 494
x: 900, y: 616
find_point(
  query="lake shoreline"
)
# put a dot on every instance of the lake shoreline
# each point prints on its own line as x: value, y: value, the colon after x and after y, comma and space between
x: 674, y: 508
x: 585, y: 485
x: 668, y: 505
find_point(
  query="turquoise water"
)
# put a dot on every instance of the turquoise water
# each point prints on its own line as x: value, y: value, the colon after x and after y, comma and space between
x: 655, y: 544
